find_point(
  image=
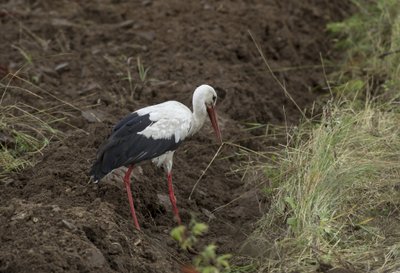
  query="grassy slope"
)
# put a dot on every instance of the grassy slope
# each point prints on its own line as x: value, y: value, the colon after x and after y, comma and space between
x: 336, y: 190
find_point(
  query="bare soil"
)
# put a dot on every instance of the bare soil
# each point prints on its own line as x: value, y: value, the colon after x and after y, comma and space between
x: 84, y: 66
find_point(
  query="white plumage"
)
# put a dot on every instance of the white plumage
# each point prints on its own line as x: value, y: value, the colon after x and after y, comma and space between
x: 170, y: 119
x: 154, y: 133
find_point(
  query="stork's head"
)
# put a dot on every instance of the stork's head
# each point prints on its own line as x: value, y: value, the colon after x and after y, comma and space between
x: 205, y: 94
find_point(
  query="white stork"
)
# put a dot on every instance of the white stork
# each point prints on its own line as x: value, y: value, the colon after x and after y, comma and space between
x: 154, y: 132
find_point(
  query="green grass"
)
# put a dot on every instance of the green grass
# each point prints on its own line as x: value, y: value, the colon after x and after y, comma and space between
x: 370, y: 41
x: 335, y: 185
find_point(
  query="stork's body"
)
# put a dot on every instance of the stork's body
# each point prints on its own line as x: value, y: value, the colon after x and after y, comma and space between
x: 154, y: 133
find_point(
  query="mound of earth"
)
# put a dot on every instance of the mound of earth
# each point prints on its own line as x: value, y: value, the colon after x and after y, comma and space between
x: 82, y: 57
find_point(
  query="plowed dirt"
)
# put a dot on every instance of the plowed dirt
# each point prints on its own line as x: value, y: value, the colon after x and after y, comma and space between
x: 85, y: 53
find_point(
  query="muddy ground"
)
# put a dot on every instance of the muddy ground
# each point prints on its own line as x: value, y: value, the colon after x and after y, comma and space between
x: 82, y: 58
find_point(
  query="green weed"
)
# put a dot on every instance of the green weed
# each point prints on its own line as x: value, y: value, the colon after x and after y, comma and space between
x: 371, y: 42
x: 207, y: 261
x: 142, y: 71
x: 136, y: 76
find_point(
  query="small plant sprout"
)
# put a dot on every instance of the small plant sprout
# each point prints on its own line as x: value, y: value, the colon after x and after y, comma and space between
x: 187, y: 238
x: 142, y: 71
x: 207, y: 261
x: 129, y: 75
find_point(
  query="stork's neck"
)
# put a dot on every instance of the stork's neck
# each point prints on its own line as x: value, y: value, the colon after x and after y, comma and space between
x: 199, y: 115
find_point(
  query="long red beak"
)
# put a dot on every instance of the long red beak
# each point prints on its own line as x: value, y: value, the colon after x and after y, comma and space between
x: 214, y: 122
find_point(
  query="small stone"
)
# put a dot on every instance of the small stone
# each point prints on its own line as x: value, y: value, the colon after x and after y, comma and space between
x: 147, y: 3
x: 89, y: 87
x: 207, y: 7
x: 115, y: 248
x: 69, y: 225
x: 148, y: 35
x: 208, y: 213
x: 94, y: 257
x: 59, y: 22
x: 137, y: 242
x: 126, y: 23
x: 35, y: 219
x: 95, y: 50
x: 61, y: 67
x: 55, y: 208
x: 19, y: 216
x: 163, y: 199
x: 79, y: 214
x: 93, y: 116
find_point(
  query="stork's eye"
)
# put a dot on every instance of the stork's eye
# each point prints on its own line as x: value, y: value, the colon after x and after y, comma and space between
x: 214, y: 98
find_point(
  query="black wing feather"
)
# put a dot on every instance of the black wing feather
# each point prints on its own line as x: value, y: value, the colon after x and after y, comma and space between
x: 125, y: 146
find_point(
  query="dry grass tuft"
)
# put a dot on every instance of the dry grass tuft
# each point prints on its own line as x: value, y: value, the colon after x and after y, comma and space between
x: 337, y: 193
x: 25, y: 132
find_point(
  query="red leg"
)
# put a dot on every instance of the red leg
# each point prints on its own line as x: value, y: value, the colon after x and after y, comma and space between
x: 173, y: 199
x: 127, y: 180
